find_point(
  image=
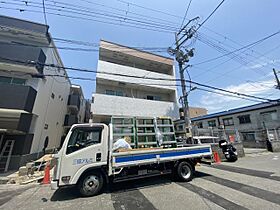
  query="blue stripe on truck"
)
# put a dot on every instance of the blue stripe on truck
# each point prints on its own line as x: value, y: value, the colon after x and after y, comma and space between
x: 162, y: 155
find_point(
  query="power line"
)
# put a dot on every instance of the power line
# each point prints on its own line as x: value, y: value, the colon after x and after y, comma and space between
x: 154, y: 10
x: 124, y: 24
x: 151, y: 49
x: 93, y: 14
x: 223, y: 94
x: 118, y: 9
x: 151, y: 84
x: 237, y: 50
x: 186, y: 13
x: 44, y: 11
x: 210, y: 15
x: 32, y: 63
x: 72, y: 5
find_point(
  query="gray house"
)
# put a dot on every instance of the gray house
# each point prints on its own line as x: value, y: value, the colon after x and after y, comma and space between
x: 32, y: 108
x: 255, y: 123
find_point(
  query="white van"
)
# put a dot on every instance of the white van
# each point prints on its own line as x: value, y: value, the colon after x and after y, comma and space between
x: 205, y: 140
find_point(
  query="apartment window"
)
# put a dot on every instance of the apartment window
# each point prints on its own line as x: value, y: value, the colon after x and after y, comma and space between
x: 110, y: 92
x: 228, y: 121
x: 11, y: 80
x: 119, y: 93
x: 269, y: 116
x: 114, y: 93
x: 248, y: 136
x: 155, y: 98
x: 244, y: 119
x: 212, y: 123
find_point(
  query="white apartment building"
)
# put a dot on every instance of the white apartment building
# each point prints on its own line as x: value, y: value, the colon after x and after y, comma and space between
x: 133, y: 95
x: 32, y: 110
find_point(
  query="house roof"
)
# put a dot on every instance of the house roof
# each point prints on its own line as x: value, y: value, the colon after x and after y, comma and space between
x: 238, y: 110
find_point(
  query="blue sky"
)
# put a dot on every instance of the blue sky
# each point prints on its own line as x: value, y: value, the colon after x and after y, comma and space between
x: 235, y: 24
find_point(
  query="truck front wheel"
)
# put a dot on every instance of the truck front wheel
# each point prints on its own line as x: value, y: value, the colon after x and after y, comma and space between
x: 185, y: 171
x: 90, y: 184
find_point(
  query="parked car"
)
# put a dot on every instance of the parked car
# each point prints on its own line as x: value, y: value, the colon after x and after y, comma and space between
x: 205, y: 139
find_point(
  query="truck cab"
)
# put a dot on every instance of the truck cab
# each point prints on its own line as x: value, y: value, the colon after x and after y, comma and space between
x: 85, y: 147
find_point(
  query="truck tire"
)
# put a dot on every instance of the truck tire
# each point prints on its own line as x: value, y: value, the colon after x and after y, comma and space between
x: 90, y: 184
x: 185, y: 171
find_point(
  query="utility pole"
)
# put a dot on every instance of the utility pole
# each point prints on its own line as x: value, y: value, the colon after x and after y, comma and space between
x: 182, y: 58
x: 277, y: 80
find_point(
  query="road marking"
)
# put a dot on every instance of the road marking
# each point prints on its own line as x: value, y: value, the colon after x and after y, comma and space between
x: 262, y: 174
x: 254, y: 191
x: 219, y: 200
x: 5, y: 196
x: 238, y: 197
x: 132, y: 199
x: 266, y: 184
x: 175, y: 196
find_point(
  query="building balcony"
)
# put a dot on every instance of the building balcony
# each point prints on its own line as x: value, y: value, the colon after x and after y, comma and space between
x: 74, y: 103
x: 125, y: 106
x: 126, y: 56
x: 70, y: 119
x: 17, y: 97
x: 22, y: 58
x: 134, y: 73
x: 13, y: 121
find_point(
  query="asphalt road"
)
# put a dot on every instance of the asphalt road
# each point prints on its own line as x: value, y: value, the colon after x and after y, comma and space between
x: 237, y: 185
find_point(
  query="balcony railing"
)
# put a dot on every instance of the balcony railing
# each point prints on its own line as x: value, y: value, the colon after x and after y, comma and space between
x: 125, y: 106
x: 17, y: 97
x: 25, y: 58
x: 16, y: 122
x: 70, y: 120
x: 74, y: 101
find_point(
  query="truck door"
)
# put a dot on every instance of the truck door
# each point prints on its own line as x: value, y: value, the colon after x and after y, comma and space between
x: 85, y: 147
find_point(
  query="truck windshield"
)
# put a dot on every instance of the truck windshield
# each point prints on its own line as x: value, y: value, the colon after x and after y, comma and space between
x: 83, y: 137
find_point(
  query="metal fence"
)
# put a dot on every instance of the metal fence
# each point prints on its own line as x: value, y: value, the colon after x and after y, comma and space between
x: 227, y: 134
x: 250, y: 138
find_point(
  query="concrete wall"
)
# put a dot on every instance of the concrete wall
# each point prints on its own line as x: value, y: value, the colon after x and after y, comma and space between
x: 124, y: 106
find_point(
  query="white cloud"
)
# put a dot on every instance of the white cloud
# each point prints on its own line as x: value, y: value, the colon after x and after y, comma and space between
x: 263, y: 64
x: 214, y: 102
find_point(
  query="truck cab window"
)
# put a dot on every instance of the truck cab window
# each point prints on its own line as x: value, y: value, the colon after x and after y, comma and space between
x: 82, y: 138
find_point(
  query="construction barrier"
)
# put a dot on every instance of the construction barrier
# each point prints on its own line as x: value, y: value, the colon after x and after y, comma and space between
x: 47, y: 177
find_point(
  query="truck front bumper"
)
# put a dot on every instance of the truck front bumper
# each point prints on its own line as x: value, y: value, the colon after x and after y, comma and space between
x: 54, y: 184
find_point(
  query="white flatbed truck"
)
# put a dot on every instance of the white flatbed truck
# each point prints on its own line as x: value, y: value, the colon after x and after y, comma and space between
x: 86, y: 160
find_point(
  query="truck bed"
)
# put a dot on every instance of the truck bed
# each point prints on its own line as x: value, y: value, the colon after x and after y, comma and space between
x: 156, y: 155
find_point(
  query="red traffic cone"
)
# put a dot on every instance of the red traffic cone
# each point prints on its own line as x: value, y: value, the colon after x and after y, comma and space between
x: 217, y: 158
x: 47, y: 177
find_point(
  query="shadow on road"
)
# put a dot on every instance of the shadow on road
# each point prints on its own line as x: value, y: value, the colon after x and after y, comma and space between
x: 199, y: 174
x: 70, y: 193
x: 65, y: 193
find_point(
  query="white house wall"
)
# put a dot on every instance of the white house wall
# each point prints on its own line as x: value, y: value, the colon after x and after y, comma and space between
x: 50, y: 111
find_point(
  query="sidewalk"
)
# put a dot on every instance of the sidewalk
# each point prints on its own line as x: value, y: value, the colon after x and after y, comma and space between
x: 254, y: 150
x: 4, y: 177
